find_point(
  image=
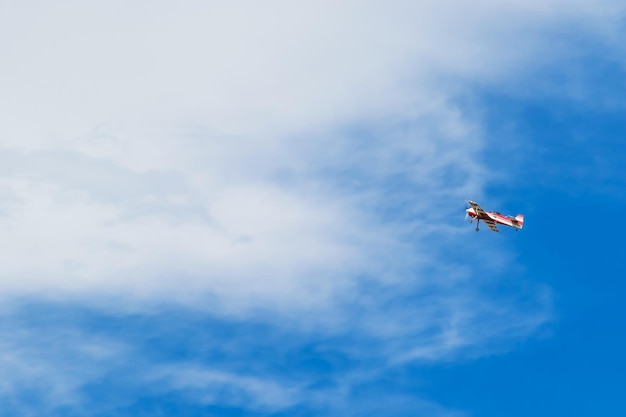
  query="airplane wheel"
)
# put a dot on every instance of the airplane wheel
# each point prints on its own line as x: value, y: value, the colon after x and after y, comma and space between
x: 477, y: 229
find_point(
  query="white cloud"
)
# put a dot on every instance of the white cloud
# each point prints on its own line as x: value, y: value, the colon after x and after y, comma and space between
x: 249, y: 68
x: 258, y: 155
x: 216, y: 387
x: 45, y: 368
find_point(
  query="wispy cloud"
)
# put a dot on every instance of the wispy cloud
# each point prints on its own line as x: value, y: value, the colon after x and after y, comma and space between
x: 292, y: 166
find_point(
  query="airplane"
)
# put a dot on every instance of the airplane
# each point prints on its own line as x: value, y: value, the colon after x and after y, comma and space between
x: 490, y: 218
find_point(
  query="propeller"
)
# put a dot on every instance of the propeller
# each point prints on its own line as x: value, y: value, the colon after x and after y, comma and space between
x: 468, y: 218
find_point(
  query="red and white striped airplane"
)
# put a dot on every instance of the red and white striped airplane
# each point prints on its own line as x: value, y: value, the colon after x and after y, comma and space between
x: 490, y: 218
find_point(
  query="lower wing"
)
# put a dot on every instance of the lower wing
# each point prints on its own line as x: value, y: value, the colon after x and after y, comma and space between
x: 491, y: 224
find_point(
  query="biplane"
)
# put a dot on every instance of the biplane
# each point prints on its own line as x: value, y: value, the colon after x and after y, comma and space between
x: 492, y: 218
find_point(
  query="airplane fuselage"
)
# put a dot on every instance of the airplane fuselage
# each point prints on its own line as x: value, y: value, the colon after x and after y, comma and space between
x: 496, y: 217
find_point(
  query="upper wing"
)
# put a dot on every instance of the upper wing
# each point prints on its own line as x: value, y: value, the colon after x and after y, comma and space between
x: 491, y: 224
x: 477, y: 208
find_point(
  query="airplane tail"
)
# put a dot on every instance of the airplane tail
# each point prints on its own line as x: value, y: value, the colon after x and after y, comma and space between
x: 520, y: 220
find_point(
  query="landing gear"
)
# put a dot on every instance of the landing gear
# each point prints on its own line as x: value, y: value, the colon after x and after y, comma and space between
x: 477, y: 223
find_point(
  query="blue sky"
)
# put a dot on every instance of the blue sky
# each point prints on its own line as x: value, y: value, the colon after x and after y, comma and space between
x: 251, y: 210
